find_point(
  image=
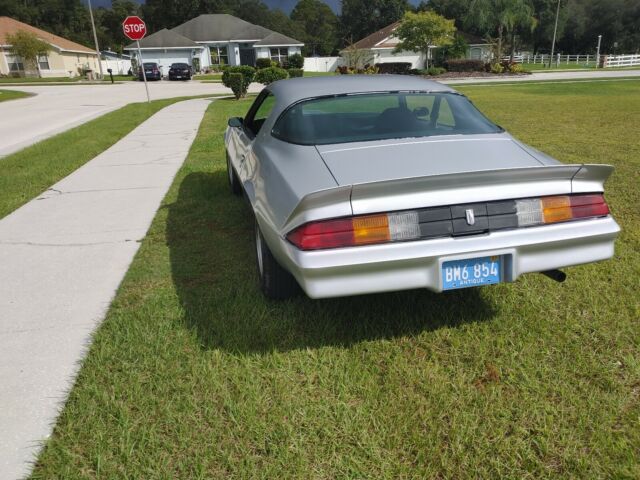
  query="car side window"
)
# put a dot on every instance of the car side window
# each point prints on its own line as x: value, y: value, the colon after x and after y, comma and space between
x: 259, y: 113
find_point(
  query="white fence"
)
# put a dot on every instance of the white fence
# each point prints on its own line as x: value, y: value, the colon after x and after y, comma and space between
x: 119, y: 66
x: 621, y: 61
x: 322, y: 64
x: 557, y: 59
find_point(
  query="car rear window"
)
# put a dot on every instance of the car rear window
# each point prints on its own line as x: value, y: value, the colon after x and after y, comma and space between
x: 179, y: 65
x: 380, y: 116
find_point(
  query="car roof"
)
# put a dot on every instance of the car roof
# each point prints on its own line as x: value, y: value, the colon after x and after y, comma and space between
x: 296, y: 89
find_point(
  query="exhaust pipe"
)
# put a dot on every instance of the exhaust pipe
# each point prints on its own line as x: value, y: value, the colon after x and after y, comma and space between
x: 556, y: 275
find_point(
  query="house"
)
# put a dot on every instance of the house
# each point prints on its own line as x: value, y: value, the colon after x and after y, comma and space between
x: 66, y: 58
x: 379, y: 48
x: 214, y: 40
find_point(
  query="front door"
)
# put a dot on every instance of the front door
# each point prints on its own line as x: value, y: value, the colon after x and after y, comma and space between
x: 248, y: 56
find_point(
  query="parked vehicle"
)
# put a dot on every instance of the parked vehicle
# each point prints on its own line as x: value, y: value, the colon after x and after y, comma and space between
x: 180, y: 71
x: 152, y: 70
x: 373, y: 183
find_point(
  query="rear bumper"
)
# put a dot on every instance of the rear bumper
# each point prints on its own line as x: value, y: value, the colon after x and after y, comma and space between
x: 417, y: 264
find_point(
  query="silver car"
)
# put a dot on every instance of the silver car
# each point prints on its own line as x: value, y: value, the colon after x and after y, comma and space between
x: 363, y: 184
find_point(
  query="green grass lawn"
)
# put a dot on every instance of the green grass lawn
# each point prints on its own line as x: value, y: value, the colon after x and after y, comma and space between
x: 39, y: 80
x: 12, y: 95
x: 193, y: 374
x: 27, y: 173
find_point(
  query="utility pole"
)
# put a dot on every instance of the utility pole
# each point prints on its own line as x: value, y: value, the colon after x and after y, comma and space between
x: 555, y: 31
x: 95, y: 39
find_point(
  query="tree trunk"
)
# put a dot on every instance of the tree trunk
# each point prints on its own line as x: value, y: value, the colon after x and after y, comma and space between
x: 500, y: 28
x: 513, y: 47
x: 426, y: 59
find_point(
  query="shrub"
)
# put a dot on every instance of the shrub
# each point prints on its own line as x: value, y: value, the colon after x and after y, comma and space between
x: 263, y: 63
x: 464, y: 65
x: 401, y: 68
x: 269, y: 75
x: 344, y: 70
x: 436, y: 71
x: 235, y: 81
x: 246, y: 73
x: 496, y: 68
x: 514, y: 67
x: 295, y: 72
x: 295, y: 61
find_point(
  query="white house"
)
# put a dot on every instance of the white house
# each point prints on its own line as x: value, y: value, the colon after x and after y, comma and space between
x: 215, y: 40
x: 380, y: 46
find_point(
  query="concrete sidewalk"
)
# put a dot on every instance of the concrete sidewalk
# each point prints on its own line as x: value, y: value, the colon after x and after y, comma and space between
x: 62, y: 257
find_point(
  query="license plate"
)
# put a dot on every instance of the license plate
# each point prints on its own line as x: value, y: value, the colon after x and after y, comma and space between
x: 148, y: 71
x: 471, y: 272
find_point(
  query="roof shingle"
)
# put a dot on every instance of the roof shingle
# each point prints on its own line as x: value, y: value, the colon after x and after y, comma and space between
x: 10, y: 26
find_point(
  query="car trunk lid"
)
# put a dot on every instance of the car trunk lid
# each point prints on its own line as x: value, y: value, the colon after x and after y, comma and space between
x: 365, y: 162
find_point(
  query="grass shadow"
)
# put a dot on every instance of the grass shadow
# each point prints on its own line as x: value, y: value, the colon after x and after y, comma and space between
x: 210, y: 239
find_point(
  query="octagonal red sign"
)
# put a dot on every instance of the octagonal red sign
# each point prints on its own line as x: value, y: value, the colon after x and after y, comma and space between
x: 134, y: 27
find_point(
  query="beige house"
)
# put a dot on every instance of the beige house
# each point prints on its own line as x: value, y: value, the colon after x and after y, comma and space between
x: 65, y: 59
x: 379, y: 48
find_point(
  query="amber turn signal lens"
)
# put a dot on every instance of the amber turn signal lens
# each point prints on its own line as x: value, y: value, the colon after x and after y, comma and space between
x: 556, y: 209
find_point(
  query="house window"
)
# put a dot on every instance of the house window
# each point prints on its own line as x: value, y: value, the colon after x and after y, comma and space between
x: 280, y: 55
x: 16, y: 64
x: 43, y: 62
x: 219, y: 56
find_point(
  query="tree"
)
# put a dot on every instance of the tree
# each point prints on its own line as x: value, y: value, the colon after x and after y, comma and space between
x: 319, y: 27
x: 360, y: 18
x: 27, y: 46
x: 419, y: 32
x: 501, y: 17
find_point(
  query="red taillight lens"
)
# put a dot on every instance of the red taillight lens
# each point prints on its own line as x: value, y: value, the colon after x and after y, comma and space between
x: 562, y: 208
x: 328, y: 234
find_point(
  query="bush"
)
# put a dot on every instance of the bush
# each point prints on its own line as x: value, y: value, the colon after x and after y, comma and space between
x: 263, y: 63
x: 496, y: 68
x: 436, y: 71
x: 269, y: 75
x: 512, y: 67
x: 235, y: 81
x: 246, y: 73
x: 295, y: 72
x: 464, y: 65
x: 295, y: 61
x: 366, y: 70
x: 401, y: 68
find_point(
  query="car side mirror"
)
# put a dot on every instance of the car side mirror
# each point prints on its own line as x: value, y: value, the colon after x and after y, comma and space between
x: 235, y: 122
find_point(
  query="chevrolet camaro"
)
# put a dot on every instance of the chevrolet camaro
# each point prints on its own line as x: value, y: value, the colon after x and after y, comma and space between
x: 373, y: 183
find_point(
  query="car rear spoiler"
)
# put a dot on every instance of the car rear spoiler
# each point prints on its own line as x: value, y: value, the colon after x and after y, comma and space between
x: 447, y: 189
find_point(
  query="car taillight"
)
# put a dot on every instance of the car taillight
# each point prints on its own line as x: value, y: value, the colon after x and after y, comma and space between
x: 542, y: 211
x: 361, y: 230
x: 406, y: 225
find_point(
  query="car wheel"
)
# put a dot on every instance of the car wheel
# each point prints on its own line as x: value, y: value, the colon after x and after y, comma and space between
x: 234, y: 182
x: 275, y: 282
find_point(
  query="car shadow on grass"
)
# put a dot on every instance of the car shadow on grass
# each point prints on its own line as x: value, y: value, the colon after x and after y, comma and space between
x: 210, y: 239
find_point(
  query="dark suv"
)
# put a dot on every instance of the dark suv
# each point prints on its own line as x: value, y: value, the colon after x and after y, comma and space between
x: 151, y: 70
x: 180, y: 71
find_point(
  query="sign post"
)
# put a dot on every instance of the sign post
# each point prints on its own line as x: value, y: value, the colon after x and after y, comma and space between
x: 134, y: 28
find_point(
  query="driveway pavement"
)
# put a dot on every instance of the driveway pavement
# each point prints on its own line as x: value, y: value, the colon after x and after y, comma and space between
x: 56, y: 108
x: 62, y: 257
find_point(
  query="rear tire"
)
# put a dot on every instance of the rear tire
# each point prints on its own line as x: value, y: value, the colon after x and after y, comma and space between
x: 275, y: 282
x: 234, y: 182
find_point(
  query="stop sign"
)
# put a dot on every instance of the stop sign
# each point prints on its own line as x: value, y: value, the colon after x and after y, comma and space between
x: 134, y: 28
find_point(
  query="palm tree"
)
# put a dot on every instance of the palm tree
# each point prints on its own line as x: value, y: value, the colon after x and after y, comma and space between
x: 501, y: 16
